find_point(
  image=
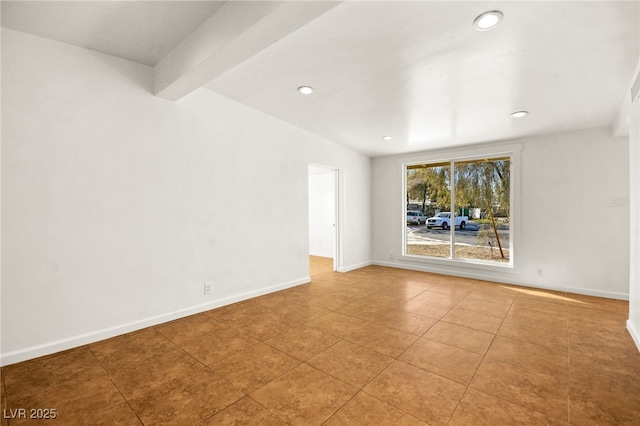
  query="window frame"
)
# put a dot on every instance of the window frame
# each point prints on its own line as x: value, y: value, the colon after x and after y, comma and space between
x: 459, y: 155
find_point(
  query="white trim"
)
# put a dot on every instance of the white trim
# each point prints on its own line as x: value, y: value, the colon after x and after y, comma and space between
x: 634, y: 334
x: 338, y: 215
x: 460, y: 153
x: 106, y: 333
x: 512, y: 150
x: 507, y: 279
x: 355, y: 266
x: 318, y: 254
x: 458, y: 262
x: 339, y: 220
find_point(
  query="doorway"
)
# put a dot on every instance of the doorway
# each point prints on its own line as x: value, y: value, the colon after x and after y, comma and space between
x: 323, y: 219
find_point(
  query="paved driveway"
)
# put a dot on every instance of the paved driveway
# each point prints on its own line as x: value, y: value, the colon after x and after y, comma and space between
x: 421, y: 235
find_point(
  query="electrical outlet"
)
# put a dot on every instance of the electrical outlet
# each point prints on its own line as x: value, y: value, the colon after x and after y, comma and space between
x: 208, y: 287
x: 618, y: 202
x: 540, y: 272
x: 391, y: 256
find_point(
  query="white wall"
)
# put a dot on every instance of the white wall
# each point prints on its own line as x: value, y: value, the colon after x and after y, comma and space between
x: 634, y: 223
x: 322, y: 213
x: 119, y: 206
x: 566, y: 225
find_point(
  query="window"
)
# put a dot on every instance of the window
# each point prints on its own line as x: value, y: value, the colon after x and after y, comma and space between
x: 468, y: 207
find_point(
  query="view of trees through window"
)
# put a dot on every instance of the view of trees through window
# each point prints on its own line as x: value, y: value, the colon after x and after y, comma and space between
x: 459, y: 209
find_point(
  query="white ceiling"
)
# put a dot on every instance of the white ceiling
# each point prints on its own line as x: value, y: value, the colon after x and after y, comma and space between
x: 415, y: 70
x: 140, y: 31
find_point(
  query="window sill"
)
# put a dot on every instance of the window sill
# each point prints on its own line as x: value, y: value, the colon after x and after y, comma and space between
x: 459, y: 263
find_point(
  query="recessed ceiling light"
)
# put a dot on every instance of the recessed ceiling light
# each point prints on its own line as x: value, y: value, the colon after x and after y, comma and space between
x: 488, y: 20
x: 387, y: 138
x: 519, y: 114
x: 306, y: 90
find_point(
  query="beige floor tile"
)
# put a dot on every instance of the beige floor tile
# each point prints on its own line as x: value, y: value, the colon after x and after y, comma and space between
x: 584, y: 320
x: 466, y: 338
x: 542, y: 359
x: 137, y: 347
x: 384, y: 340
x: 493, y: 294
x: 139, y: 379
x: 331, y: 302
x: 533, y: 334
x: 399, y: 290
x: 615, y: 337
x: 366, y: 309
x: 407, y: 322
x: 351, y: 363
x: 611, y: 358
x: 245, y: 412
x: 603, y: 408
x: 557, y: 357
x: 598, y: 303
x: 537, y: 391
x: 336, y: 324
x: 255, y: 367
x: 424, y: 395
x: 603, y: 397
x: 294, y: 306
x: 540, y: 328
x: 446, y: 299
x: 541, y: 295
x: 300, y: 311
x: 302, y: 342
x: 475, y: 320
x: 447, y: 361
x: 75, y: 402
x: 366, y: 410
x: 194, y: 327
x: 425, y: 308
x: 320, y: 265
x: 218, y: 346
x: 534, y: 304
x: 236, y: 313
x: 264, y: 326
x: 460, y: 290
x: 39, y: 374
x: 121, y: 415
x: 304, y: 396
x: 186, y: 400
x: 387, y: 298
x: 480, y: 409
x: 522, y: 315
x: 484, y: 307
x: 3, y: 419
x: 417, y: 280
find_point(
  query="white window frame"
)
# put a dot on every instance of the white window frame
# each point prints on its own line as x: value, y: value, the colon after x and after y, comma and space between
x: 465, y: 154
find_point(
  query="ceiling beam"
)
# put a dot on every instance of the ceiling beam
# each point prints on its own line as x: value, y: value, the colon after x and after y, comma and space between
x: 236, y: 32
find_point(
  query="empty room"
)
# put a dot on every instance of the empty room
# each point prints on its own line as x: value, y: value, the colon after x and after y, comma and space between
x: 320, y: 212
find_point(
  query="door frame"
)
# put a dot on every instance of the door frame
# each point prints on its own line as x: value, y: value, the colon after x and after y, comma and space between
x: 337, y: 214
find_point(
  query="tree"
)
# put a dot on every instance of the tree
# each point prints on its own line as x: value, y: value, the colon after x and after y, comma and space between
x: 429, y: 184
x: 485, y: 184
x: 418, y: 186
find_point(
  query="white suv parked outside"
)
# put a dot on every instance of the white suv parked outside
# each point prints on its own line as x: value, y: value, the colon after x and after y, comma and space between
x: 416, y: 217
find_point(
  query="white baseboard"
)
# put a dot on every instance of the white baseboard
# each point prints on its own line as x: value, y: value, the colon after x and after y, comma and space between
x: 505, y: 280
x: 106, y: 333
x: 354, y: 266
x: 318, y: 254
x: 634, y: 333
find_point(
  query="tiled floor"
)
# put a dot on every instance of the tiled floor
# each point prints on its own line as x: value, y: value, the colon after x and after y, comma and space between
x: 374, y: 346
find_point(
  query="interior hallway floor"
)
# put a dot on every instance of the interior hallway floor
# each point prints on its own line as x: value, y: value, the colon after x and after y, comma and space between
x: 374, y: 346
